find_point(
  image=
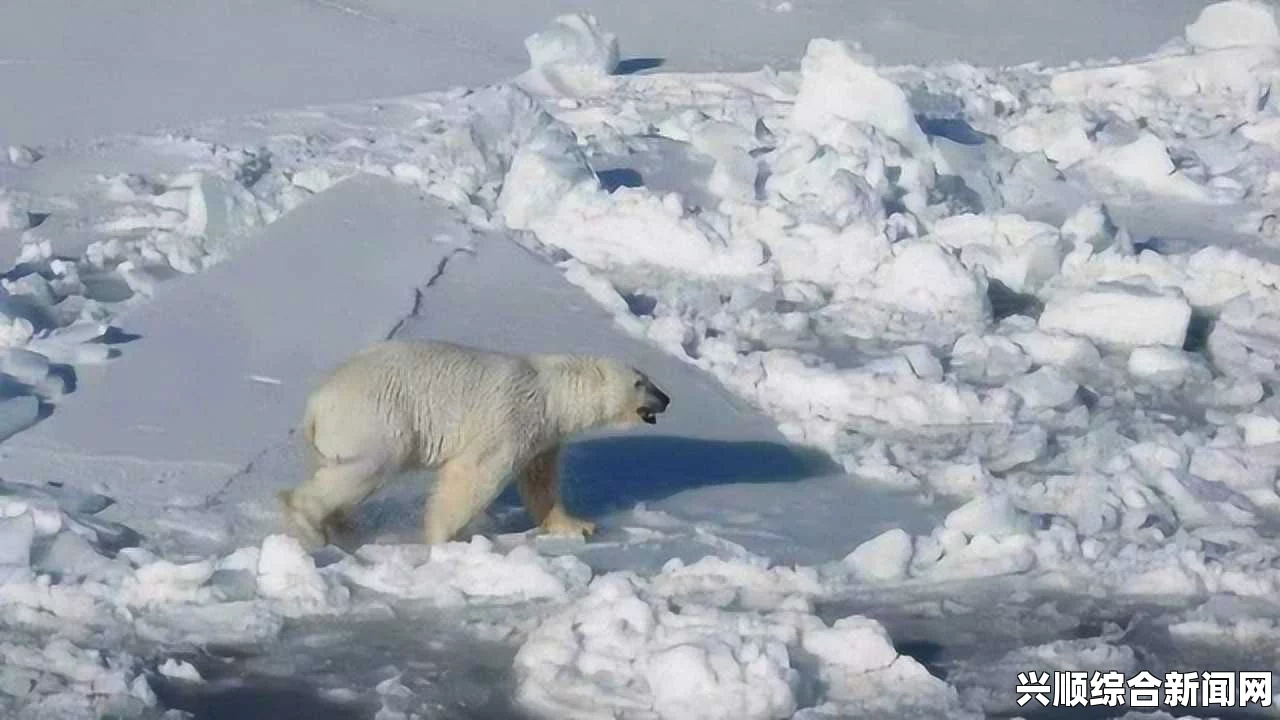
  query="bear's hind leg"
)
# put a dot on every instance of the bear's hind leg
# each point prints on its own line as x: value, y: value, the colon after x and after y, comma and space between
x: 539, y: 485
x: 320, y: 503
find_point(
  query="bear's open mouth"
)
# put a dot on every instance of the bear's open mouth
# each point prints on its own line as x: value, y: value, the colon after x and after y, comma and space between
x: 648, y: 415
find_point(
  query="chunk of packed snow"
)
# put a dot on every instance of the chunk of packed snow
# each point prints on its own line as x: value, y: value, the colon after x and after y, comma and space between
x: 923, y: 278
x: 25, y: 366
x: 735, y: 171
x: 988, y: 358
x: 835, y: 85
x: 1120, y: 315
x: 1159, y: 365
x: 783, y: 383
x: 1144, y: 166
x: 980, y: 556
x: 882, y: 558
x: 17, y: 533
x: 543, y: 172
x: 245, y: 623
x: 748, y: 582
x: 314, y: 179
x: 397, y: 700
x: 854, y: 644
x: 1234, y: 23
x: 993, y: 515
x: 1022, y: 254
x: 18, y: 414
x: 162, y: 582
x: 1259, y: 429
x: 631, y: 226
x: 179, y: 670
x: 923, y: 363
x: 864, y: 676
x: 70, y: 555
x: 1047, y: 387
x: 209, y: 206
x: 1061, y: 136
x: 1057, y: 349
x: 573, y: 54
x: 287, y: 575
x: 14, y: 331
x: 13, y: 213
x: 458, y: 573
x: 22, y: 156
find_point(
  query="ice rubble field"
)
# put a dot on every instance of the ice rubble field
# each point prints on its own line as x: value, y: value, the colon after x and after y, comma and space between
x: 1048, y: 297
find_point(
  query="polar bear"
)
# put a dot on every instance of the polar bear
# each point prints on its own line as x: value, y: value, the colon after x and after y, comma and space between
x: 476, y: 415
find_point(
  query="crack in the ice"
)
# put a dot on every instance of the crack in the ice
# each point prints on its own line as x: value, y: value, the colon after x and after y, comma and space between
x: 420, y: 292
x: 215, y: 497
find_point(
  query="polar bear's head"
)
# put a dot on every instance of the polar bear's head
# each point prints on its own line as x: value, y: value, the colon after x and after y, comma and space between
x: 626, y: 395
x: 648, y: 398
x: 597, y: 391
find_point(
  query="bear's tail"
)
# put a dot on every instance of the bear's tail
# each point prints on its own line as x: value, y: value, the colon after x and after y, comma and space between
x: 308, y: 429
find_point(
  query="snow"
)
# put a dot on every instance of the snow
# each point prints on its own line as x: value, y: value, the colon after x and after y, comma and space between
x: 1119, y: 315
x: 882, y: 558
x: 971, y: 365
x: 1022, y: 254
x: 671, y: 647
x: 1047, y: 387
x: 180, y: 670
x: 1234, y: 23
x: 572, y: 54
x: 18, y: 531
x: 465, y: 572
x: 1144, y: 165
x: 163, y: 412
x: 205, y: 61
x: 1160, y: 365
x: 288, y: 575
x: 836, y: 86
x: 864, y: 674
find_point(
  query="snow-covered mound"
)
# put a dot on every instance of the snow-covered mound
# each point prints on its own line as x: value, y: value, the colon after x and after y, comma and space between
x: 692, y: 642
x: 572, y: 54
x: 1235, y: 23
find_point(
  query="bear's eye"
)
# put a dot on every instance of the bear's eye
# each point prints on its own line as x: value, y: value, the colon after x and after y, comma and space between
x: 639, y: 384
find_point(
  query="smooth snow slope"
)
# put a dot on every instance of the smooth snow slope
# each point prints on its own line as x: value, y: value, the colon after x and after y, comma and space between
x: 256, y: 332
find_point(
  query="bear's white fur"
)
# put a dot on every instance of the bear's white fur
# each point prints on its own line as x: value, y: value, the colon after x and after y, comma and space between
x: 478, y: 416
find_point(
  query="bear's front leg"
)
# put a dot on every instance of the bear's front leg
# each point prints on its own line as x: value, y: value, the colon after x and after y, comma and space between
x: 464, y: 487
x: 539, y: 486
